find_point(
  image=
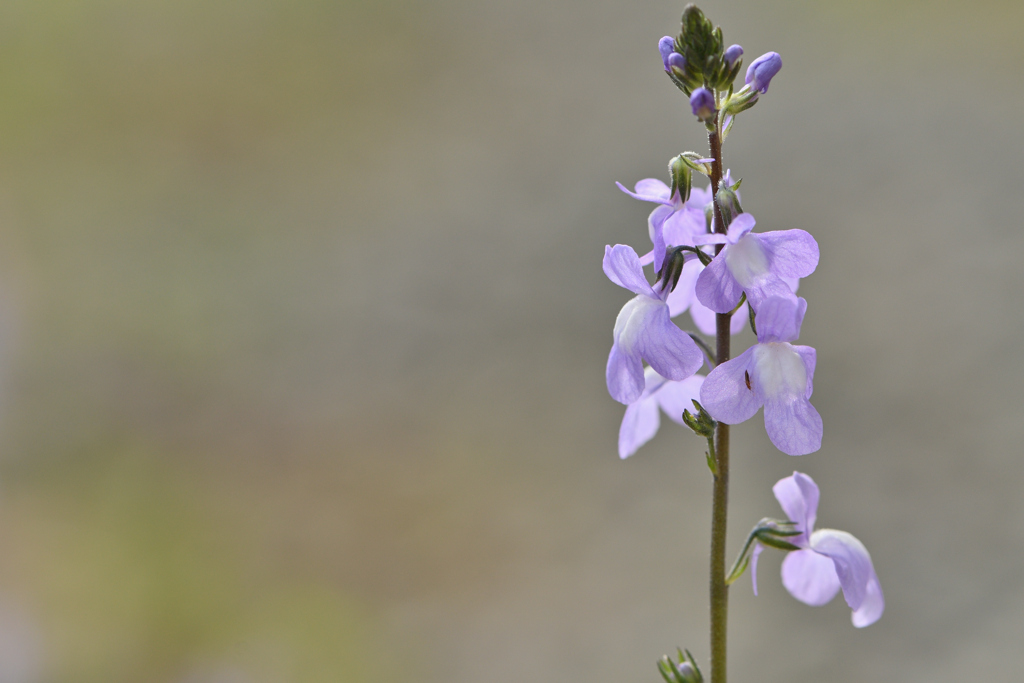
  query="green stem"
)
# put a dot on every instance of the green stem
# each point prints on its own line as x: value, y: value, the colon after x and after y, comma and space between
x: 720, y: 494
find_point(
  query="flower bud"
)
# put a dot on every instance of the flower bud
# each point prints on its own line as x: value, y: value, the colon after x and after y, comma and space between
x: 702, y: 102
x: 762, y: 70
x: 679, y: 171
x: 729, y: 202
x: 732, y: 53
x: 676, y: 64
x: 683, y: 671
x: 666, y: 46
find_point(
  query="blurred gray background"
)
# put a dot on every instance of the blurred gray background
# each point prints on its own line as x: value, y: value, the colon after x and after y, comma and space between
x: 303, y: 331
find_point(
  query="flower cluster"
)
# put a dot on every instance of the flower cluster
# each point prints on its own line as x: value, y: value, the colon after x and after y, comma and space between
x: 756, y: 269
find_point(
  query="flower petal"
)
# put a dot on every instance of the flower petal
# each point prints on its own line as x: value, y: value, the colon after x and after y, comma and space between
x: 798, y: 497
x: 622, y: 266
x: 682, y: 296
x: 656, y: 229
x: 675, y: 397
x: 793, y: 425
x: 852, y: 563
x: 779, y: 318
x: 810, y: 358
x: 809, y: 577
x: 639, y: 425
x: 716, y: 287
x: 704, y: 318
x: 758, y: 549
x: 871, y: 609
x: 724, y: 393
x: 740, y: 226
x: 649, y: 190
x: 682, y: 226
x: 624, y: 375
x: 793, y: 253
x: 668, y: 349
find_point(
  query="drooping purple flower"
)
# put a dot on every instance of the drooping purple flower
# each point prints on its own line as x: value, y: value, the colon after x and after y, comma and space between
x: 755, y: 263
x: 673, y: 223
x: 828, y: 559
x: 643, y: 331
x: 732, y: 53
x: 772, y: 373
x: 641, y: 421
x: 666, y: 46
x: 762, y: 70
x: 702, y: 102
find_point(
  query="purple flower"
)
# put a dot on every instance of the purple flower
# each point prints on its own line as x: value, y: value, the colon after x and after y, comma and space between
x: 641, y: 421
x: 772, y: 373
x: 673, y: 223
x: 755, y: 264
x: 666, y: 46
x: 704, y: 317
x: 828, y: 559
x: 732, y: 53
x: 643, y: 331
x: 762, y: 70
x: 702, y: 102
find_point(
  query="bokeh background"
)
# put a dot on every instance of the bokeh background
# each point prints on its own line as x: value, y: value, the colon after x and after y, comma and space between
x: 303, y: 332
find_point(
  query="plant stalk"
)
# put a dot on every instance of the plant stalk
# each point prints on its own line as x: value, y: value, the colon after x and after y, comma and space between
x: 720, y: 495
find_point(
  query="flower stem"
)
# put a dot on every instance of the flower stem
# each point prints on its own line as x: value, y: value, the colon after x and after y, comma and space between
x: 720, y: 495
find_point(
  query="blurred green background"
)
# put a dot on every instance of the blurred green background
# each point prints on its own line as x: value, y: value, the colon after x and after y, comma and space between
x: 303, y: 331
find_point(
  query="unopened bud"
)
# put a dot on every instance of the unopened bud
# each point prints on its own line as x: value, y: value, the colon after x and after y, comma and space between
x: 729, y: 202
x: 683, y: 671
x: 702, y: 102
x: 702, y: 423
x: 732, y: 53
x: 666, y: 46
x: 676, y: 63
x: 762, y: 70
x: 679, y: 171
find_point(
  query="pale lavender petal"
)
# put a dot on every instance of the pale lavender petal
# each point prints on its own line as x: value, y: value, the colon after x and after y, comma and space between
x: 649, y: 190
x: 682, y: 227
x: 669, y: 350
x: 740, y: 226
x: 758, y: 549
x: 852, y: 562
x: 682, y: 296
x: 793, y: 253
x: 624, y: 375
x: 779, y: 318
x: 793, y: 425
x: 639, y: 425
x: 704, y: 318
x: 798, y: 496
x: 675, y: 397
x: 706, y: 238
x: 622, y: 266
x: 699, y: 198
x: 725, y: 394
x: 656, y: 229
x: 809, y: 577
x: 871, y: 609
x: 810, y: 358
x: 716, y: 287
x: 765, y: 286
